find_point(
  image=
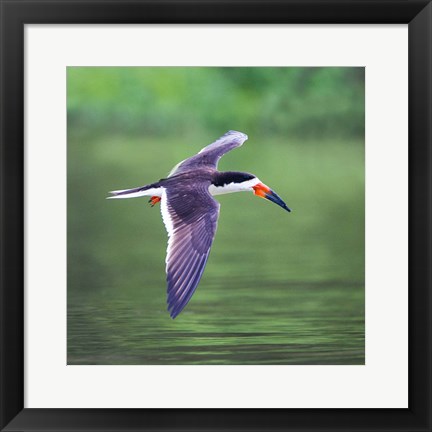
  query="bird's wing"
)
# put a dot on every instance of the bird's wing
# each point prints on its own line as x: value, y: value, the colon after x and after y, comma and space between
x: 209, y: 156
x: 190, y: 215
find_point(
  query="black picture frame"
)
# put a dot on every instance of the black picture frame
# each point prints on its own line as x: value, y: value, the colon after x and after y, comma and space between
x: 15, y: 14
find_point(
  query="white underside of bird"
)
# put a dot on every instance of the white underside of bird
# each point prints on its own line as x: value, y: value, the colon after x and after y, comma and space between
x: 214, y: 190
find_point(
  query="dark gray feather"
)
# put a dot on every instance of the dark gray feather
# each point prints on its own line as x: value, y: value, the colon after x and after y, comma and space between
x: 194, y: 214
x: 209, y: 156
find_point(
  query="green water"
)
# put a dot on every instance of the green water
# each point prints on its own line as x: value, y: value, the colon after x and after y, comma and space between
x: 279, y: 288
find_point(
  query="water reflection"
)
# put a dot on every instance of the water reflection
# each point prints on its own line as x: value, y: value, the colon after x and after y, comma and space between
x: 298, y: 328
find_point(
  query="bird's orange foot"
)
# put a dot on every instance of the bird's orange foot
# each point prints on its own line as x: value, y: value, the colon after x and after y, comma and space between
x: 154, y: 200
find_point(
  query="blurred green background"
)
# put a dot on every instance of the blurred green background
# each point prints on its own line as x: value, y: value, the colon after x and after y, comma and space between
x: 279, y: 288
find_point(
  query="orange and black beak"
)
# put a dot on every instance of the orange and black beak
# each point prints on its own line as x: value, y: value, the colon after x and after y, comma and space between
x: 264, y: 191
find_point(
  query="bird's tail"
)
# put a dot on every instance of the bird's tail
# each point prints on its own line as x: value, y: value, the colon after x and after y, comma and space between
x: 147, y: 190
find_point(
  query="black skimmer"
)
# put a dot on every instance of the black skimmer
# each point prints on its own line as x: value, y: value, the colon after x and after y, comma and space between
x: 190, y: 213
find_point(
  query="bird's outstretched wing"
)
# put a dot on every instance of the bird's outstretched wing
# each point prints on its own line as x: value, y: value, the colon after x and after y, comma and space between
x: 209, y: 156
x: 190, y: 216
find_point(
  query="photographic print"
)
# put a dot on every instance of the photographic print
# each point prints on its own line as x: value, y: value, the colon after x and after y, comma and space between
x: 234, y: 232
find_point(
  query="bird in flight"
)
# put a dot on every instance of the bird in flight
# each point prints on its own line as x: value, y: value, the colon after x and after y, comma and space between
x: 190, y: 213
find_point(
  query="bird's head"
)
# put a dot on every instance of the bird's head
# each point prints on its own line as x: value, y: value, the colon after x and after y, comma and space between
x: 241, y: 181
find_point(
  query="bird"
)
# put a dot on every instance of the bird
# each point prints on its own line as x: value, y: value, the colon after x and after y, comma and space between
x: 190, y: 213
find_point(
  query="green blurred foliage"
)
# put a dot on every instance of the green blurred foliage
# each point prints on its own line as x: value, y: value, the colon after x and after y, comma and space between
x: 296, y: 102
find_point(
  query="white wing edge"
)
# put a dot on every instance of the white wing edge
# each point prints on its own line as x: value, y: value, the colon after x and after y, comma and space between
x: 172, y: 172
x: 168, y: 222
